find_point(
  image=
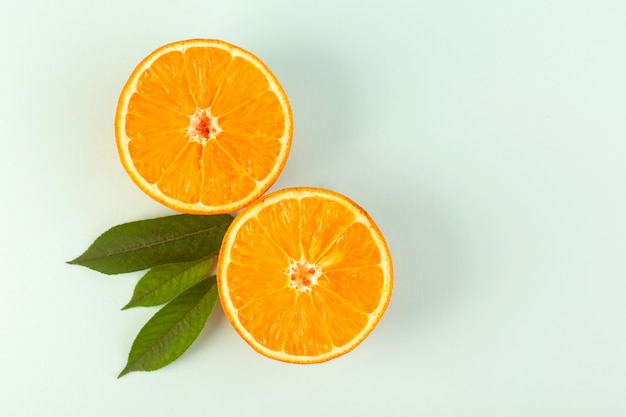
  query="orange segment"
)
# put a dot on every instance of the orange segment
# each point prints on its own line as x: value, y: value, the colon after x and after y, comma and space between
x: 206, y: 69
x: 274, y: 309
x: 347, y: 284
x: 243, y: 82
x: 282, y: 221
x: 245, y: 279
x: 341, y: 319
x: 261, y: 116
x: 325, y: 220
x: 353, y: 248
x: 162, y: 147
x: 162, y: 83
x: 308, y: 334
x: 183, y: 174
x: 253, y: 153
x: 146, y: 118
x: 253, y: 247
x: 304, y: 275
x: 224, y: 179
x: 203, y: 126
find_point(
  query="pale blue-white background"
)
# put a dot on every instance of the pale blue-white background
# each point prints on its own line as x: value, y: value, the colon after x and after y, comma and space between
x: 487, y: 138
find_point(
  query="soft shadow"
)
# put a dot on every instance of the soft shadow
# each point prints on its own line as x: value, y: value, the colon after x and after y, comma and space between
x: 319, y: 95
x: 421, y: 238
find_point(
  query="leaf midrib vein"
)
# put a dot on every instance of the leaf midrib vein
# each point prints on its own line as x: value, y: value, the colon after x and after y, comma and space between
x: 161, y: 242
x: 159, y: 341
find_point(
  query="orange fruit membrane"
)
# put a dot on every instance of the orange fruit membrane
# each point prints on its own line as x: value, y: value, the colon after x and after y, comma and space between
x: 203, y: 126
x: 304, y: 275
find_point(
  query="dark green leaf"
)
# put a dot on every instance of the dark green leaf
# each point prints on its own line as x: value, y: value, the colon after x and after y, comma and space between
x: 147, y: 243
x: 164, y: 282
x: 170, y: 332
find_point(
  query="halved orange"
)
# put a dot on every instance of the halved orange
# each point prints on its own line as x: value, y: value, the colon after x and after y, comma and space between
x: 304, y: 275
x: 203, y: 126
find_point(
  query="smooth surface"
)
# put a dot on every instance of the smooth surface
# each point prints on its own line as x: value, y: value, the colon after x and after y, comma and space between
x: 486, y: 138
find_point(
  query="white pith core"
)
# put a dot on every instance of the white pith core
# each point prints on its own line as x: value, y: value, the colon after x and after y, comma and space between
x: 303, y: 275
x: 203, y: 126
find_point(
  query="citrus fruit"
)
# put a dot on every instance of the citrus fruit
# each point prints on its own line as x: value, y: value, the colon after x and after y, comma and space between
x: 203, y: 126
x: 304, y: 275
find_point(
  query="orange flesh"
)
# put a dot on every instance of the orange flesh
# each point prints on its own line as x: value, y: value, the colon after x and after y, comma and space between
x: 304, y: 275
x: 204, y: 127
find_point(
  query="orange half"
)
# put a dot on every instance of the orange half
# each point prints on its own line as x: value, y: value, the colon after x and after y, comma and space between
x: 203, y: 126
x: 304, y: 275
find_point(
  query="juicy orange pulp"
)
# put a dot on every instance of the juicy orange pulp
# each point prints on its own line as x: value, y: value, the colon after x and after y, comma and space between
x: 203, y: 126
x: 304, y: 275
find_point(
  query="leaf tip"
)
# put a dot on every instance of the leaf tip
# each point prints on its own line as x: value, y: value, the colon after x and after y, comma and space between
x: 78, y: 261
x: 124, y: 372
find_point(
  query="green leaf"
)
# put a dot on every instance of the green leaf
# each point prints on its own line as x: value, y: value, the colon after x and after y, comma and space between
x: 170, y: 332
x: 164, y: 282
x: 144, y: 244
